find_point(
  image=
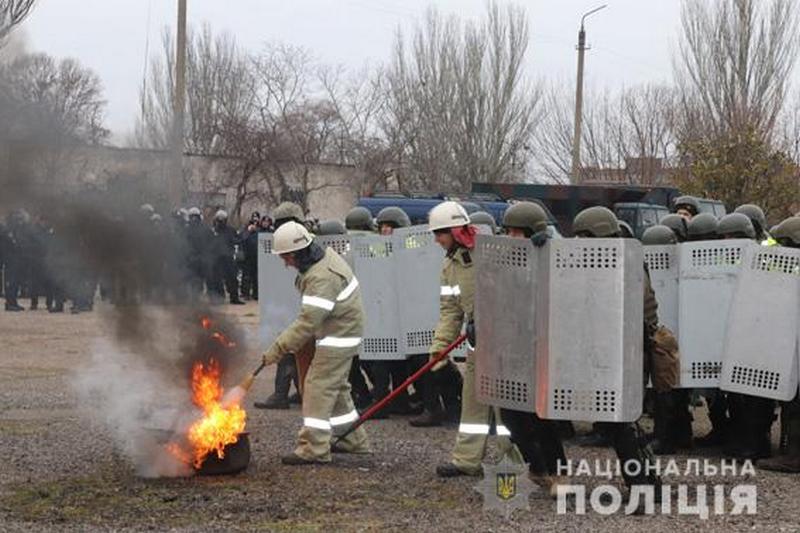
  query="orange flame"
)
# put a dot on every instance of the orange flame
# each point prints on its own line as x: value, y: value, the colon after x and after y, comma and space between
x: 220, y: 425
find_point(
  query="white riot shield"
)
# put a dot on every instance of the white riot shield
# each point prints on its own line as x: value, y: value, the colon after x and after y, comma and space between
x: 419, y: 263
x: 590, y: 352
x: 505, y: 306
x: 340, y: 243
x: 374, y: 264
x: 708, y: 274
x: 662, y: 263
x: 278, y: 298
x: 760, y: 356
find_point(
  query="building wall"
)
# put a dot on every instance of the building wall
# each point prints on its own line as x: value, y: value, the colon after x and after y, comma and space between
x: 144, y: 173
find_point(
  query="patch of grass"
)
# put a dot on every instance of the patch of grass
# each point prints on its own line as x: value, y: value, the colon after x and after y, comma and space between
x: 21, y: 428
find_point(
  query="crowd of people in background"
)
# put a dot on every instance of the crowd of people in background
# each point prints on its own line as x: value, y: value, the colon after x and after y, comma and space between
x: 55, y: 264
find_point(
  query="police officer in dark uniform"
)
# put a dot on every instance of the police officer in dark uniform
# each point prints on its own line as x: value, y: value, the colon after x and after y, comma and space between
x: 224, y: 267
x: 15, y: 258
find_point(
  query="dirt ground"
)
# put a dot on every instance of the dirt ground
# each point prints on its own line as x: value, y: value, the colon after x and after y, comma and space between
x: 62, y: 472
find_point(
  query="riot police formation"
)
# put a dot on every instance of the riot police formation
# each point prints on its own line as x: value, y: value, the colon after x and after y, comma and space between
x: 740, y: 422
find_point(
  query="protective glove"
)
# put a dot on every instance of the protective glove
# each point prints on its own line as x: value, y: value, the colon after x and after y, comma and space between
x: 471, y: 334
x: 272, y: 355
x: 540, y: 238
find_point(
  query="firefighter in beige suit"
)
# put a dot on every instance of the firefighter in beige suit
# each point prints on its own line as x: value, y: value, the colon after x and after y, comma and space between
x: 332, y: 313
x: 450, y: 223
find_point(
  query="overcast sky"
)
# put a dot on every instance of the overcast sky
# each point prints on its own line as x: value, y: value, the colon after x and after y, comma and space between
x: 631, y: 40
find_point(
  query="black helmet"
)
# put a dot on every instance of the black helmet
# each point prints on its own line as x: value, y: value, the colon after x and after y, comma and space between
x: 703, y: 227
x: 394, y: 216
x: 737, y: 226
x: 528, y: 216
x: 596, y: 222
x: 788, y: 232
x: 360, y: 219
x: 482, y: 218
x: 678, y: 225
x: 658, y: 235
x: 756, y: 216
x: 331, y: 227
x: 689, y: 203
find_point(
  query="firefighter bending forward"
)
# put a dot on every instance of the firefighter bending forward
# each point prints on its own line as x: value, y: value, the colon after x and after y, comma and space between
x: 332, y: 313
x: 450, y: 224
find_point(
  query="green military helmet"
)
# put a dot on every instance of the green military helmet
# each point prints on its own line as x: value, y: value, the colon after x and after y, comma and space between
x: 625, y: 230
x: 736, y: 226
x: 331, y: 227
x: 394, y: 216
x: 788, y: 232
x: 598, y: 222
x: 703, y: 227
x: 482, y: 218
x: 678, y: 225
x: 689, y: 203
x: 658, y: 235
x: 756, y: 216
x: 359, y: 219
x: 528, y: 216
x: 288, y: 211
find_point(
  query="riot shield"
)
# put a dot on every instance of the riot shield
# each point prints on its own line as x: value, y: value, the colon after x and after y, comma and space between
x: 374, y: 264
x: 760, y: 356
x: 341, y: 244
x: 589, y: 353
x: 662, y: 263
x: 708, y: 274
x: 505, y: 309
x: 419, y: 263
x: 278, y: 298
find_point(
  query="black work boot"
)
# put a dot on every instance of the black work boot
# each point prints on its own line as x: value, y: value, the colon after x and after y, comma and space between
x: 296, y: 460
x: 428, y: 419
x: 451, y: 470
x: 273, y: 402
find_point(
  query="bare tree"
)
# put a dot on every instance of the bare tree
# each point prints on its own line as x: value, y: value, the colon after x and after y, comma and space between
x: 459, y: 107
x: 301, y: 124
x: 219, y: 91
x: 56, y: 101
x: 734, y: 66
x: 627, y: 136
x: 12, y: 13
x: 360, y: 103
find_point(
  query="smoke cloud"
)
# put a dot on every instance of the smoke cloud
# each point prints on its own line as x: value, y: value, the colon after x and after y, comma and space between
x: 137, y: 379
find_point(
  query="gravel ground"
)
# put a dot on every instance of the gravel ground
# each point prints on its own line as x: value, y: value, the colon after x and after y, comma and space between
x: 61, y: 472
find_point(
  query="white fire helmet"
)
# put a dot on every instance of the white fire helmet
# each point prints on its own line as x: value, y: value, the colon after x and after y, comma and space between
x: 447, y: 215
x: 291, y: 237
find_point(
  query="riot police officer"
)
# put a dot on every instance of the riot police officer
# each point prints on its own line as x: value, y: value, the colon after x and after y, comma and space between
x: 537, y: 439
x: 672, y: 416
x: 751, y: 417
x: 482, y: 218
x: 687, y: 207
x: 359, y: 219
x: 678, y: 225
x: 286, y: 371
x: 759, y: 221
x: 625, y: 437
x: 787, y: 233
x: 390, y: 373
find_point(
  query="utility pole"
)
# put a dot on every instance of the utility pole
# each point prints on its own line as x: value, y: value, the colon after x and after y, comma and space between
x: 576, y: 135
x: 179, y: 104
